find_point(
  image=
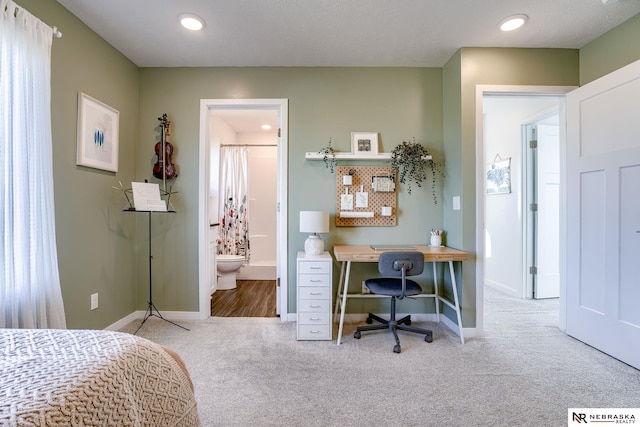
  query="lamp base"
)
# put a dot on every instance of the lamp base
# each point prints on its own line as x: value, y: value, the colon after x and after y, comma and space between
x: 314, y: 245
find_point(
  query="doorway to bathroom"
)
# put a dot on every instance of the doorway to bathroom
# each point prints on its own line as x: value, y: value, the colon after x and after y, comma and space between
x: 258, y: 128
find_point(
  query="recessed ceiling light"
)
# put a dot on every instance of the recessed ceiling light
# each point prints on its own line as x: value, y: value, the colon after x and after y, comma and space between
x: 266, y: 127
x: 513, y: 22
x: 191, y: 22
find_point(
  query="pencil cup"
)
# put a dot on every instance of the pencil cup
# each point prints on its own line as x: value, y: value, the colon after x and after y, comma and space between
x: 436, y: 240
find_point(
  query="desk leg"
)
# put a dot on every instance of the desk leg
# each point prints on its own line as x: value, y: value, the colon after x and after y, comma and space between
x: 435, y: 291
x: 454, y: 285
x: 335, y: 311
x: 345, y: 290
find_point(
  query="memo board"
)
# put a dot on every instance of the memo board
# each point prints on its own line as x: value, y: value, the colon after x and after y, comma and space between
x: 363, y: 176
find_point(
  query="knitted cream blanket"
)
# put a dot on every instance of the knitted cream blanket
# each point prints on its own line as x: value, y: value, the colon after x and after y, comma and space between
x: 90, y: 378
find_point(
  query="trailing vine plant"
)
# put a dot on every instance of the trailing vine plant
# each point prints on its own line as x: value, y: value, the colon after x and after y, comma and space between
x: 329, y: 156
x: 409, y: 160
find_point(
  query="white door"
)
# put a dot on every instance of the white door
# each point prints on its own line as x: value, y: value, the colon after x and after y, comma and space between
x: 547, y: 277
x: 603, y: 214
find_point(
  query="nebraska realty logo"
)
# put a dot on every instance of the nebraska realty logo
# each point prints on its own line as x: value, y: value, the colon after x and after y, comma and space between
x: 580, y: 416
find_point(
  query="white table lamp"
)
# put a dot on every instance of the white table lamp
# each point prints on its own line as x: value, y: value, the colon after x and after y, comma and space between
x: 314, y: 222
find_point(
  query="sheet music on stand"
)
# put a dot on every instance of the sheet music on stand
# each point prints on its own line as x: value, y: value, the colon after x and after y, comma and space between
x: 146, y: 197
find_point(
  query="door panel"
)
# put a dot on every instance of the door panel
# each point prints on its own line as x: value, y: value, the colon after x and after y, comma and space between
x: 629, y: 246
x: 592, y: 247
x: 547, y: 282
x: 603, y: 214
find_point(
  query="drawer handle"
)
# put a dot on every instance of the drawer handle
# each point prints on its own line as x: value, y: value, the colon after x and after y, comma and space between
x: 315, y: 306
x: 315, y: 268
x: 314, y: 332
x: 315, y: 281
x: 316, y: 293
x: 314, y: 318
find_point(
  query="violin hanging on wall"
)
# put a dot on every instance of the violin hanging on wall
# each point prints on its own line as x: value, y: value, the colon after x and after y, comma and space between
x: 164, y: 169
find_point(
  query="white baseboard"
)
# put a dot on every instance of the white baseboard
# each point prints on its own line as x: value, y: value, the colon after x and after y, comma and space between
x: 139, y: 315
x: 292, y: 317
x: 419, y: 317
x: 124, y: 321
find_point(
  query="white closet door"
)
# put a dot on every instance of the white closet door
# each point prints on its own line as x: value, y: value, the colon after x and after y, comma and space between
x: 603, y: 214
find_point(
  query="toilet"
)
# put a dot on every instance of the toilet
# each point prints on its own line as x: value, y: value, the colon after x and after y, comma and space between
x: 228, y: 266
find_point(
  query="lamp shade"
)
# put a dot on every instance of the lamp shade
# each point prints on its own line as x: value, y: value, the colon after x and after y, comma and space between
x: 314, y: 222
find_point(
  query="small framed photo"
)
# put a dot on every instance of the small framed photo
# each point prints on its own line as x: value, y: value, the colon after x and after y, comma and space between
x: 98, y: 133
x: 364, y: 142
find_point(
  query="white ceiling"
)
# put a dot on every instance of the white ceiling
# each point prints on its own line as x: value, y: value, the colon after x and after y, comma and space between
x: 368, y: 33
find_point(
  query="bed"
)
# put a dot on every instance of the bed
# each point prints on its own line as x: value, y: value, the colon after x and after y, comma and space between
x: 91, y: 378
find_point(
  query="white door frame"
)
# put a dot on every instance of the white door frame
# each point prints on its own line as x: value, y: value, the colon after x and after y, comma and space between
x: 204, y: 166
x: 481, y: 91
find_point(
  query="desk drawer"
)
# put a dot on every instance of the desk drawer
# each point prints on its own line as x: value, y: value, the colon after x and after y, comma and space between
x: 314, y: 280
x: 314, y: 332
x: 314, y: 267
x: 315, y: 292
x: 314, y: 318
x: 314, y: 306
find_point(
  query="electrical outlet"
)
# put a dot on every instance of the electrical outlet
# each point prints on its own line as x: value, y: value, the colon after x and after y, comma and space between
x: 94, y: 301
x: 365, y: 290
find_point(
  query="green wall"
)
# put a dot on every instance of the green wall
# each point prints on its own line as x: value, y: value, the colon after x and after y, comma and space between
x: 96, y: 240
x: 102, y: 249
x: 613, y: 50
x: 400, y: 103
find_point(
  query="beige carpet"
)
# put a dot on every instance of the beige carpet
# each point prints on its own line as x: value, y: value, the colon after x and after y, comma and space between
x: 524, y: 371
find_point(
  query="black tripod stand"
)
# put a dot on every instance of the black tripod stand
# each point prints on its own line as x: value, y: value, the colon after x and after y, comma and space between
x: 151, y: 308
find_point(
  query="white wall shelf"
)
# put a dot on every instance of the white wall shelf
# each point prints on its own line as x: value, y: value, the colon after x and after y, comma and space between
x: 350, y: 156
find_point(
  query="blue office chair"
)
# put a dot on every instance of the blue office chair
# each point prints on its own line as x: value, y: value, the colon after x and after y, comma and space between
x: 396, y: 264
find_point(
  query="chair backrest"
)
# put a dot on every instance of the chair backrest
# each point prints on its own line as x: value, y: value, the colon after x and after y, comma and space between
x: 391, y: 263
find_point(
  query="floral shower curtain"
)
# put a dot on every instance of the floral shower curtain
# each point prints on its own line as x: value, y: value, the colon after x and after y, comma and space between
x: 233, y: 238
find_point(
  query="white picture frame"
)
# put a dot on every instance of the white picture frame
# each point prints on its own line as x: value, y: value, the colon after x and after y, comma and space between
x: 364, y: 142
x: 97, y: 134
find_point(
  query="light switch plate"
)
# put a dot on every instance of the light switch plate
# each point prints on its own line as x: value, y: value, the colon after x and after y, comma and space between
x: 456, y: 203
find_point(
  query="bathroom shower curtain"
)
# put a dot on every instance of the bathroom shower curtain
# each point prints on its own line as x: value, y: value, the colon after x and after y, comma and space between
x: 233, y: 238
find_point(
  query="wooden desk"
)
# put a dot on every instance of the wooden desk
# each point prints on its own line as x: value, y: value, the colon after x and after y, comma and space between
x: 364, y: 253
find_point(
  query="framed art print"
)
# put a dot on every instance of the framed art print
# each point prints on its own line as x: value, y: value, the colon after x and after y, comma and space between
x: 499, y: 177
x: 98, y: 126
x: 364, y: 142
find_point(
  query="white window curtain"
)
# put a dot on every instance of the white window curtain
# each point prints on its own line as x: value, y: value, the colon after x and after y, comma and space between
x: 30, y: 295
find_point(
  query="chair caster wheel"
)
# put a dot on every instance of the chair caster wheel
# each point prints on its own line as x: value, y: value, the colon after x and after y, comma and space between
x: 396, y: 349
x: 369, y: 320
x: 428, y: 338
x: 357, y: 335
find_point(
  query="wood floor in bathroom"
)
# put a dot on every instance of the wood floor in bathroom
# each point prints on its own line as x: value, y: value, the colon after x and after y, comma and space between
x: 251, y: 298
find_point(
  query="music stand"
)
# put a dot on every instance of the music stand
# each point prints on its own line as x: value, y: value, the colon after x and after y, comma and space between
x: 151, y: 308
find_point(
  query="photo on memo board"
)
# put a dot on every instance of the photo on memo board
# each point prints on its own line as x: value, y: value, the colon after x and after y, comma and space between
x: 98, y: 126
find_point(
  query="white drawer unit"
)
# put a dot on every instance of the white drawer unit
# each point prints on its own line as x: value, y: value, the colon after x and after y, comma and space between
x: 314, y: 287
